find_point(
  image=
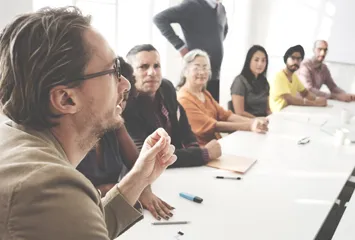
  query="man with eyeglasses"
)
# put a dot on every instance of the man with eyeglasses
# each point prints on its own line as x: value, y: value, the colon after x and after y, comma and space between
x: 285, y: 87
x: 156, y: 106
x: 62, y: 89
x: 313, y: 73
x: 112, y: 157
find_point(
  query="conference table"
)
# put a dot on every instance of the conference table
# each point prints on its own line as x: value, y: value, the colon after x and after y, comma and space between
x: 286, y: 194
x: 345, y: 229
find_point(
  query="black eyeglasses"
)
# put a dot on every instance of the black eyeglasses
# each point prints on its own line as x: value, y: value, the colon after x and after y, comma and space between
x: 116, y: 69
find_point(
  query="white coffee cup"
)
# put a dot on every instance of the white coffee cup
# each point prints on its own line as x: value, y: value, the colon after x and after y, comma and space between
x: 340, y: 136
x: 345, y: 116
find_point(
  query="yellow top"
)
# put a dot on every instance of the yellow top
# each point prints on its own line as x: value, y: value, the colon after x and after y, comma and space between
x: 279, y: 86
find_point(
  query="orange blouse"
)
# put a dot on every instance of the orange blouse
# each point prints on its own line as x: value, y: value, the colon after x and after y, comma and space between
x: 203, y: 116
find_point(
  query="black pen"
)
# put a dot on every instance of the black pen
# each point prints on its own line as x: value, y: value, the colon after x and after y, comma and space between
x: 233, y: 178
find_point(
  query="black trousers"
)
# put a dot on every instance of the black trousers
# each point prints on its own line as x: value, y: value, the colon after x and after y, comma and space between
x: 213, y: 88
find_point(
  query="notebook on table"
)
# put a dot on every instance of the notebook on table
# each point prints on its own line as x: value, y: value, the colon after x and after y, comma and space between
x: 232, y: 163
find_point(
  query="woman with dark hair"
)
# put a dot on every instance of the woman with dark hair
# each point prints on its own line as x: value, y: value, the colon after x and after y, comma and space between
x: 250, y: 89
x: 112, y: 157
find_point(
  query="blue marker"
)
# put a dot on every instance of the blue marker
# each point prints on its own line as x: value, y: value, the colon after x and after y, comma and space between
x: 191, y: 197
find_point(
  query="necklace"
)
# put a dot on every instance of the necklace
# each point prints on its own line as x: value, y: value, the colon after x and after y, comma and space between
x: 199, y: 95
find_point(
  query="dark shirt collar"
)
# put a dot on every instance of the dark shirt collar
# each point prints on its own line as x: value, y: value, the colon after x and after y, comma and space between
x: 146, y: 102
x: 158, y: 95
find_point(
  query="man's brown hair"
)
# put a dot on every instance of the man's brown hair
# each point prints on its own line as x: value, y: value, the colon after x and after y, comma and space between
x: 39, y: 51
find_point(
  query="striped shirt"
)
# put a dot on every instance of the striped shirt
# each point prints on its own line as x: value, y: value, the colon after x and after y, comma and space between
x: 162, y: 120
x: 313, y: 77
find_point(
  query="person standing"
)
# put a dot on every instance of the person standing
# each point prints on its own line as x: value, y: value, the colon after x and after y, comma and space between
x: 204, y: 25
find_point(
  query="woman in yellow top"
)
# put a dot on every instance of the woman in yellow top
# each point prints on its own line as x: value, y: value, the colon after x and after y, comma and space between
x: 207, y: 118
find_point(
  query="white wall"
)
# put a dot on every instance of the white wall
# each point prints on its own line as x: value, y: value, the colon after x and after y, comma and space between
x: 280, y: 24
x: 342, y: 36
x: 9, y: 9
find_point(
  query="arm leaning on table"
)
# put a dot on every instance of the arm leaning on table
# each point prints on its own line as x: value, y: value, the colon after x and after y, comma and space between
x: 191, y: 148
x: 236, y: 122
x: 138, y: 130
x: 336, y: 92
x: 156, y: 155
x: 156, y: 206
x: 226, y: 121
x: 308, y: 98
x: 233, y: 122
x: 304, y: 74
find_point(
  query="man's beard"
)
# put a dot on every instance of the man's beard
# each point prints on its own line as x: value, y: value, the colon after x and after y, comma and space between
x: 94, y: 127
x: 289, y: 68
x: 99, y: 131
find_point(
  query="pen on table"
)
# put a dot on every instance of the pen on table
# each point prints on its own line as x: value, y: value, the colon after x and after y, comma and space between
x: 304, y: 140
x: 191, y: 197
x: 170, y: 223
x: 233, y: 178
x: 324, y: 123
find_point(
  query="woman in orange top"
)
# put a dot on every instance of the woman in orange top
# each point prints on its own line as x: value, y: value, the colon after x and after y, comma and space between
x: 206, y: 117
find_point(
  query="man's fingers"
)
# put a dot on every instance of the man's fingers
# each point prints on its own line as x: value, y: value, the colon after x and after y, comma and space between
x: 167, y: 154
x: 158, y: 146
x: 153, y: 138
x: 164, y: 151
x: 170, y: 161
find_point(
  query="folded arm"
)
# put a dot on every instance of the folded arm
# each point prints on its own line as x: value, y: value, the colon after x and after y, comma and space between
x: 309, y: 99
